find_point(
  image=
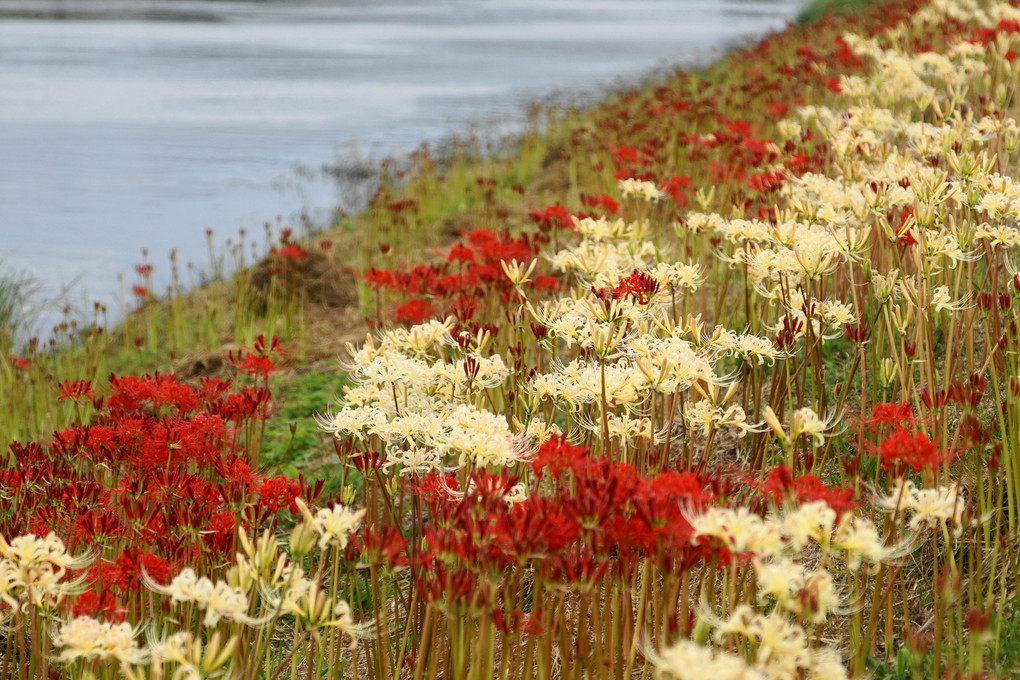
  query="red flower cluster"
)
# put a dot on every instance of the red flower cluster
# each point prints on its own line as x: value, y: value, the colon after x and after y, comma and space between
x: 885, y: 416
x: 781, y: 485
x: 591, y: 515
x: 471, y: 271
x: 258, y: 361
x: 906, y: 449
x: 160, y: 478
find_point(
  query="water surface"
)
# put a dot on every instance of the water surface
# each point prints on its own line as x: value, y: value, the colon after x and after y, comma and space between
x: 130, y: 124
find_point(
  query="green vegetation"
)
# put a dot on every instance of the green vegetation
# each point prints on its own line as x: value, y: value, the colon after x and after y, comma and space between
x: 294, y: 443
x: 15, y: 311
x: 819, y: 8
x: 718, y: 359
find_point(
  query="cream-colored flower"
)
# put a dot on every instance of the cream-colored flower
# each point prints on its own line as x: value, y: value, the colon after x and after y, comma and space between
x: 781, y: 579
x: 782, y: 646
x: 193, y: 657
x: 220, y: 600
x: 818, y: 598
x: 518, y: 273
x: 86, y: 638
x: 34, y: 569
x: 859, y: 539
x: 687, y: 660
x: 739, y: 530
x: 925, y: 507
x: 635, y: 188
x: 334, y: 525
x: 806, y: 422
x: 808, y: 522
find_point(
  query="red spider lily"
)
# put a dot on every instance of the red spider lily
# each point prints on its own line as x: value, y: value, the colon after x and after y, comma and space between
x: 779, y: 109
x: 258, y: 361
x: 969, y: 392
x: 557, y: 454
x: 639, y: 285
x: 552, y: 217
x: 545, y: 283
x: 973, y: 434
x: 368, y: 462
x: 602, y: 202
x: 625, y: 155
x: 915, y: 450
x: 439, y: 289
x: 379, y: 278
x: 460, y: 253
x: 220, y: 532
x: 984, y: 36
x: 128, y: 571
x: 936, y: 401
x: 782, y: 485
x: 414, y: 311
x: 859, y: 333
x: 96, y: 524
x: 407, y: 204
x: 98, y: 605
x: 180, y: 489
x: 245, y: 405
x: 75, y: 390
x: 253, y: 364
x: 130, y: 393
x: 578, y: 566
x: 846, y: 57
x: 438, y: 583
x: 274, y: 347
x: 280, y: 492
x: 675, y: 187
x: 386, y: 546
x: 884, y: 416
x: 978, y: 620
x: 766, y: 182
x: 538, y: 528
x: 291, y: 251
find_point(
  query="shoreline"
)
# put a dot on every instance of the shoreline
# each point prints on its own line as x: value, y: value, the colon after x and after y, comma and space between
x: 499, y: 129
x: 355, y: 177
x: 713, y: 378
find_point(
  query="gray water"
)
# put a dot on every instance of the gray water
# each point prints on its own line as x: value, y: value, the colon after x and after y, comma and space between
x: 131, y: 124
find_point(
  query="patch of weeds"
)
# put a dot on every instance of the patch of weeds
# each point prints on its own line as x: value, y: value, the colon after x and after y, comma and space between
x: 293, y: 441
x: 1003, y: 657
x: 819, y: 8
x: 903, y: 666
x: 17, y: 290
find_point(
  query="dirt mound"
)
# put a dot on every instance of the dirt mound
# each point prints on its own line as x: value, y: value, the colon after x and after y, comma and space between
x: 314, y: 275
x: 214, y: 364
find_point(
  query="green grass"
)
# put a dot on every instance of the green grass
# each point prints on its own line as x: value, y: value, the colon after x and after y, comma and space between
x: 818, y: 8
x: 293, y: 441
x: 16, y: 289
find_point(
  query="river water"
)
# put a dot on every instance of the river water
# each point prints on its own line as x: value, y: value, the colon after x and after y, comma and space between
x: 131, y: 124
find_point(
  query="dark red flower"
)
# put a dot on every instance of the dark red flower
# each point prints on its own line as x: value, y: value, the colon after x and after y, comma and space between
x: 75, y: 390
x: 414, y: 311
x: 890, y: 415
x: 913, y: 450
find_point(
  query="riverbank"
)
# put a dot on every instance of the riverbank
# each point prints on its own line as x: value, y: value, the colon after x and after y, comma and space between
x: 716, y: 378
x: 413, y: 214
x: 217, y: 122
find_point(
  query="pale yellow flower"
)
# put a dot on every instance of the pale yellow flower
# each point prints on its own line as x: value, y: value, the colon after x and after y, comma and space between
x: 88, y: 639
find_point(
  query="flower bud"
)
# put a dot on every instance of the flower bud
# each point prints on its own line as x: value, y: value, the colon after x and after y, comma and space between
x: 302, y: 537
x: 887, y: 371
